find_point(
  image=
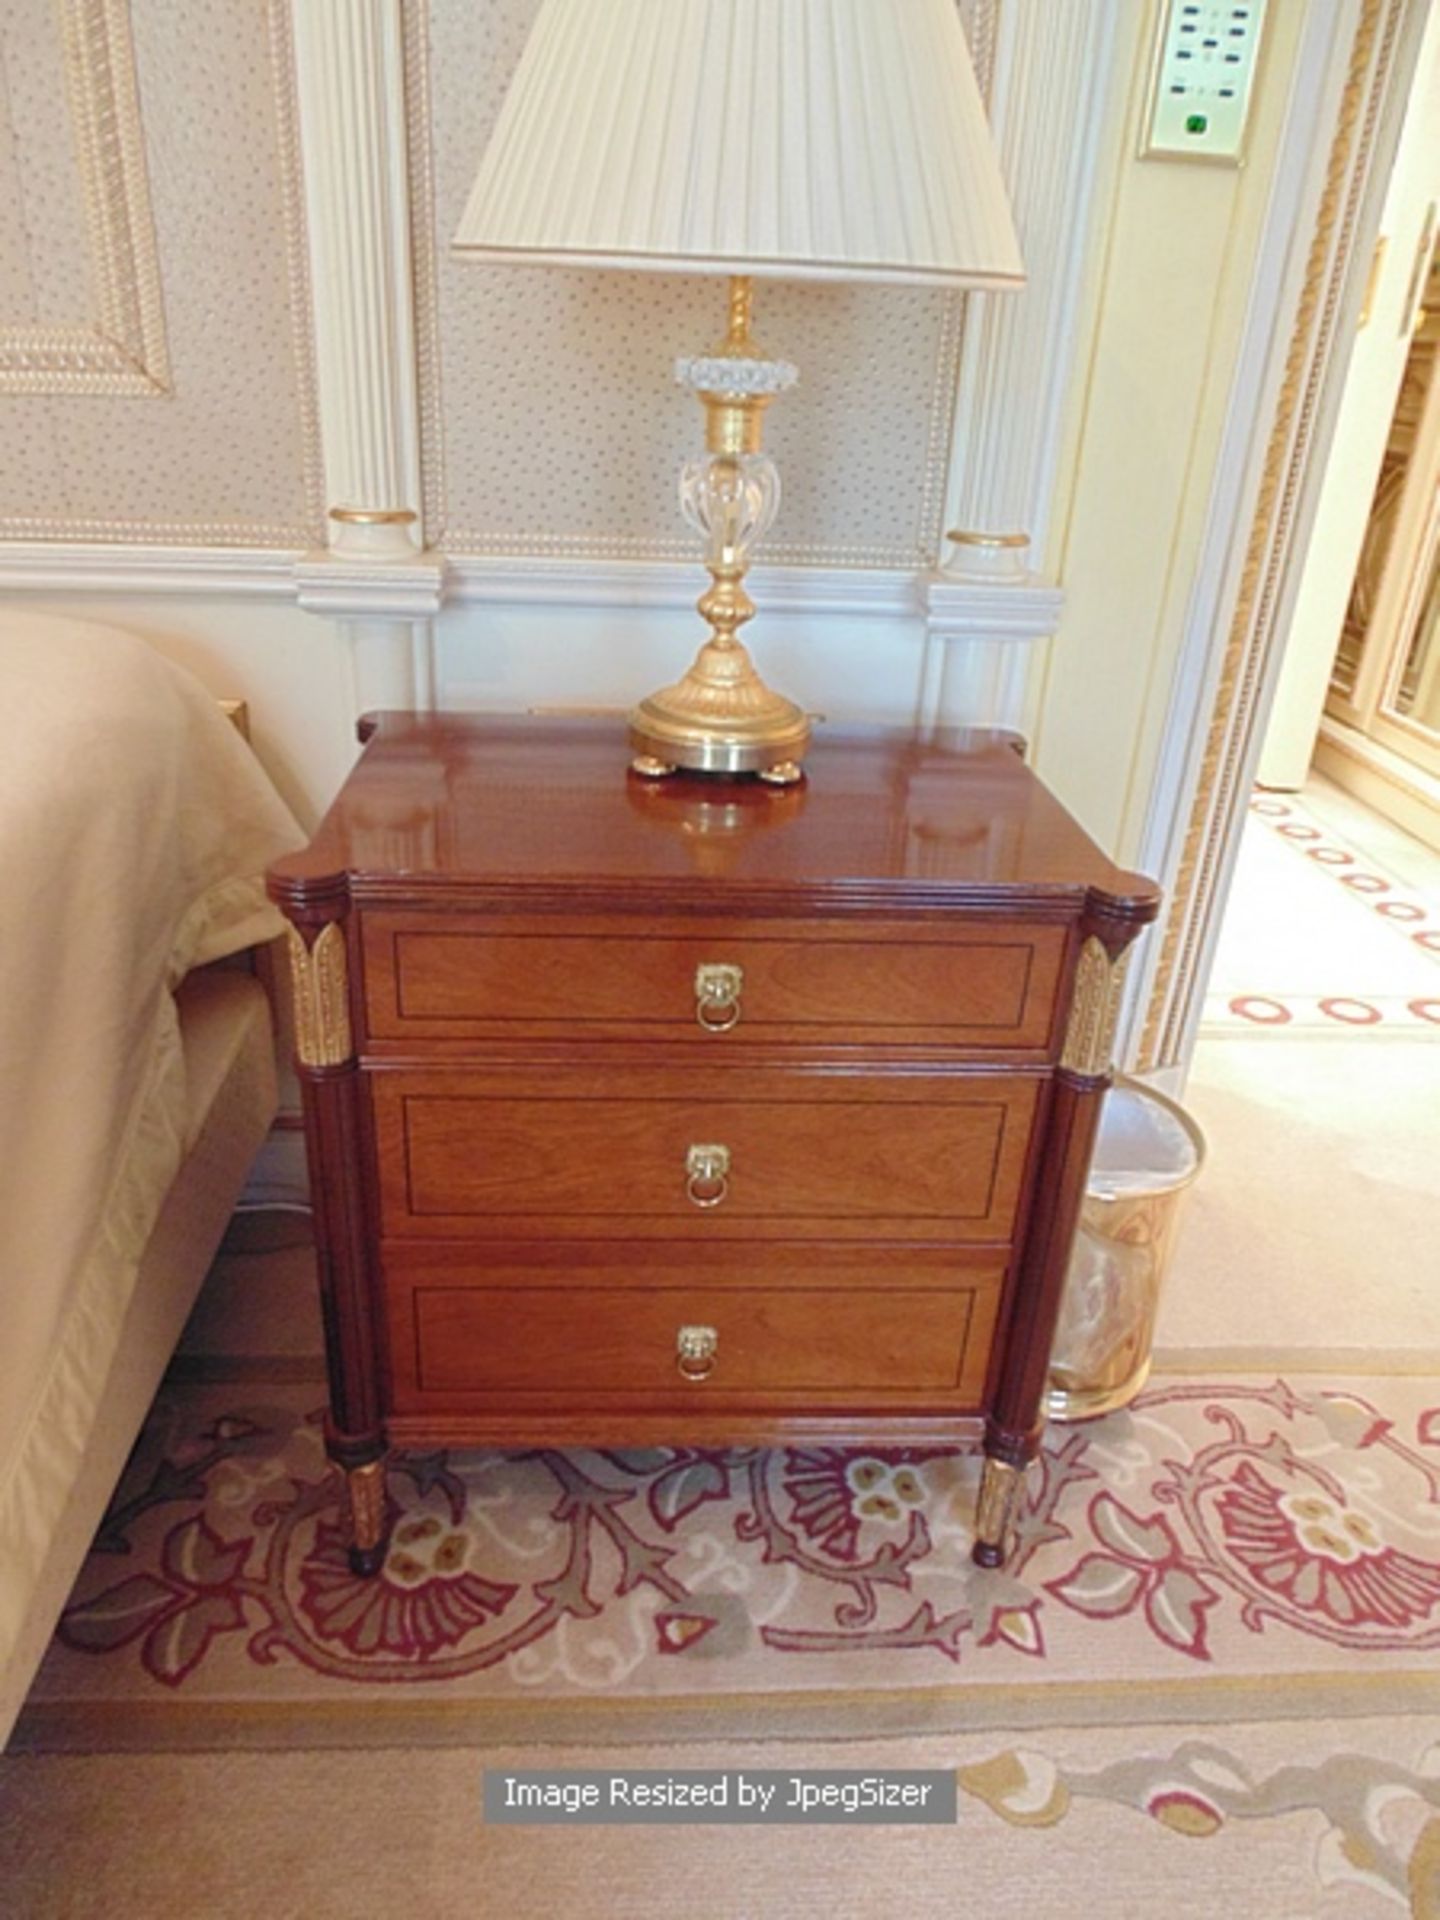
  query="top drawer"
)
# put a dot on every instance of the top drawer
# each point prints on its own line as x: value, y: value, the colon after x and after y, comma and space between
x: 982, y: 984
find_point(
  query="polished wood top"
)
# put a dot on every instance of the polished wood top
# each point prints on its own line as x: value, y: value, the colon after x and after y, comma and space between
x: 499, y: 801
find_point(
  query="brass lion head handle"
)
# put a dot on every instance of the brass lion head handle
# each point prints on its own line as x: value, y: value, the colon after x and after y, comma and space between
x: 707, y: 1174
x: 718, y: 986
x: 696, y: 1350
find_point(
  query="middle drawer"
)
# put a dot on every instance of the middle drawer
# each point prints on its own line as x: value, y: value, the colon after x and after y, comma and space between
x: 716, y: 1154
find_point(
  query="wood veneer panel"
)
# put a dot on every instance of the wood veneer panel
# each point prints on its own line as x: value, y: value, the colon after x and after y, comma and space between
x: 447, y: 976
x: 592, y: 1341
x: 929, y: 1155
x: 540, y: 813
x: 459, y: 1348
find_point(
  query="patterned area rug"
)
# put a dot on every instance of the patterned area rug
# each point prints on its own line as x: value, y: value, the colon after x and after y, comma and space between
x: 1244, y: 1550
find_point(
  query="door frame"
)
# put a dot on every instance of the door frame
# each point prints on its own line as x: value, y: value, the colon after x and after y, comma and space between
x: 1352, y: 81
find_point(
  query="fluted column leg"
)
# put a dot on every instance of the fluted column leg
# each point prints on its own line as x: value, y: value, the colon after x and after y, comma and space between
x: 331, y: 1096
x: 1016, y: 1415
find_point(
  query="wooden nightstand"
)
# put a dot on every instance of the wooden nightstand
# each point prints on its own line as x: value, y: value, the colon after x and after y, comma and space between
x: 695, y: 1112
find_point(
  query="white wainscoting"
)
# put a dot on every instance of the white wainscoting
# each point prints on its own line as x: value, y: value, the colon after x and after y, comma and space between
x: 291, y: 633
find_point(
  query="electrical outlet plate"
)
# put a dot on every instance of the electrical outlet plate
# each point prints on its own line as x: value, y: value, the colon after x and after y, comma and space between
x: 1204, y: 74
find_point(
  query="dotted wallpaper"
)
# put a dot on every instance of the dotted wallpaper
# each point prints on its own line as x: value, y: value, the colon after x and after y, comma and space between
x: 45, y: 284
x: 224, y: 449
x: 552, y: 421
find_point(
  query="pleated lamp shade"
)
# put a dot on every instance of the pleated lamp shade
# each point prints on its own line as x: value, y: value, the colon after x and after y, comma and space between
x: 805, y: 139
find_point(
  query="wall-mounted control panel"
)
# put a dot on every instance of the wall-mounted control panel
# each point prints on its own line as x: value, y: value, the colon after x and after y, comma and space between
x: 1204, y: 73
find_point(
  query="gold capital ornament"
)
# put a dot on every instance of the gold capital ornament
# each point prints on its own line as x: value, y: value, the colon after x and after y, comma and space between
x: 321, y: 994
x: 1094, y: 1010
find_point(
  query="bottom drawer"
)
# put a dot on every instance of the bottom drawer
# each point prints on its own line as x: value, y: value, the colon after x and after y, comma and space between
x: 906, y: 1326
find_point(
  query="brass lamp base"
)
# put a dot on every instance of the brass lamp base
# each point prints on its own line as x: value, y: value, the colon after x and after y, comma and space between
x: 721, y: 718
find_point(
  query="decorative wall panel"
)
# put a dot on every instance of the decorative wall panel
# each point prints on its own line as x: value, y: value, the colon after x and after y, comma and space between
x: 154, y: 330
x: 552, y: 425
x: 71, y: 323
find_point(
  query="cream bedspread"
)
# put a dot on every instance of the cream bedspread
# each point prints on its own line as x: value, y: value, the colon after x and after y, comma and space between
x: 135, y: 827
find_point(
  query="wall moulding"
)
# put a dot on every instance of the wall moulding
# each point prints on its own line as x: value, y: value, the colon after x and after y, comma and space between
x: 324, y: 584
x: 120, y: 348
x: 675, y: 585
x: 364, y: 589
x: 949, y: 609
x: 182, y: 119
x: 1020, y: 610
x: 52, y: 566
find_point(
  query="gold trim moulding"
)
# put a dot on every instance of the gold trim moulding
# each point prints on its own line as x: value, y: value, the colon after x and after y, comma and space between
x: 374, y: 516
x: 963, y: 537
x: 1372, y: 283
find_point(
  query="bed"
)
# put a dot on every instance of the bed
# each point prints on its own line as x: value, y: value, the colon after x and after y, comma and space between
x: 137, y: 1078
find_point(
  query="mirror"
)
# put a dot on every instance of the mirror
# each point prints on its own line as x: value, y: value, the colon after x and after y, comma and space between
x: 1395, y: 482
x: 1416, y: 696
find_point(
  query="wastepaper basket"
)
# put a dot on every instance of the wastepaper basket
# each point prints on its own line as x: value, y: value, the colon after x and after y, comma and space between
x: 1148, y: 1150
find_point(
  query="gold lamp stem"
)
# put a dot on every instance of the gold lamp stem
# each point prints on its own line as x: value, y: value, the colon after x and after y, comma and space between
x: 733, y: 421
x: 742, y: 302
x: 725, y: 605
x: 733, y: 425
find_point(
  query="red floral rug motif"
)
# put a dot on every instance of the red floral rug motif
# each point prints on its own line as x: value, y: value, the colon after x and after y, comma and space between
x: 1234, y: 1527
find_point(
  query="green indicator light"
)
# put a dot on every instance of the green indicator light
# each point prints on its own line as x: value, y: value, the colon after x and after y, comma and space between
x: 1196, y: 123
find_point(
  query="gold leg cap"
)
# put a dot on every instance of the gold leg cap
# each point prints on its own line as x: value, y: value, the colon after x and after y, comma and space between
x: 1000, y: 1485
x: 369, y: 1517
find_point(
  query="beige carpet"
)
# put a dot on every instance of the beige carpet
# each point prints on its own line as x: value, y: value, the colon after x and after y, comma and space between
x: 1253, y: 1822
x: 258, y: 1314
x: 1310, y: 1239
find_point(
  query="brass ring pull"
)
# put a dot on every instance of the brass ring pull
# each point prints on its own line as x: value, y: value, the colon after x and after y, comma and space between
x: 717, y: 996
x: 707, y: 1175
x: 696, y: 1350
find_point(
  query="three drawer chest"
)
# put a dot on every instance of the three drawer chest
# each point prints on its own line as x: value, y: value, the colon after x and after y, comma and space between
x: 694, y: 1111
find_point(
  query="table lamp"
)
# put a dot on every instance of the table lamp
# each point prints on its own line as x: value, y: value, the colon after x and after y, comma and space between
x: 794, y: 139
